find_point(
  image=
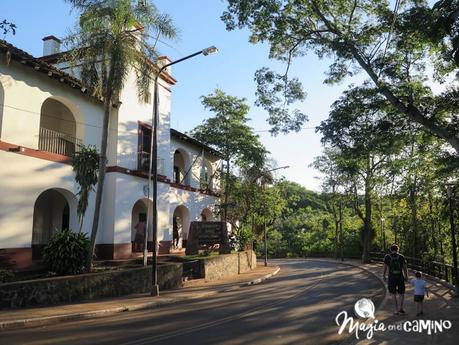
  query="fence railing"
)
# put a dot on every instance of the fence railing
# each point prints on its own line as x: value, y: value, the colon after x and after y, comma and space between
x: 139, y: 161
x: 433, y: 268
x: 56, y: 142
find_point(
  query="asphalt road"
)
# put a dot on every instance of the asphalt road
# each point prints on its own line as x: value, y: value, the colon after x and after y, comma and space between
x: 298, y: 306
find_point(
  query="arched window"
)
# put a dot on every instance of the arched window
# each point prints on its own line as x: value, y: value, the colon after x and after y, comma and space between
x: 57, y: 128
x: 181, y: 168
x: 206, y: 175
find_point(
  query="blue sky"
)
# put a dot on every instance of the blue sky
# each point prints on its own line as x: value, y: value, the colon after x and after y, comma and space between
x: 232, y: 70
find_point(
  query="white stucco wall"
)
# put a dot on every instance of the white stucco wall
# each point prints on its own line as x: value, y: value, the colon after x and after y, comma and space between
x: 25, y: 90
x: 24, y: 178
x: 194, y: 157
x: 131, y: 112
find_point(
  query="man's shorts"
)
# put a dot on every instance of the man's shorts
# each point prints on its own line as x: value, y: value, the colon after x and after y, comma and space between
x: 418, y: 298
x: 396, y: 285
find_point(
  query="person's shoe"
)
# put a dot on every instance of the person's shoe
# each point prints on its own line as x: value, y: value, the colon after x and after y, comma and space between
x: 421, y: 313
x: 401, y: 311
x: 396, y: 313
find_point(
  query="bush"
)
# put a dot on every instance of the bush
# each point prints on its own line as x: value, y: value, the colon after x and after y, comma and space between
x: 6, y: 275
x: 66, y: 252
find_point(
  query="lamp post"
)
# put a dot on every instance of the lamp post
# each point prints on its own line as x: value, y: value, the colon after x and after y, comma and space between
x: 264, y: 214
x: 450, y: 192
x: 153, y: 166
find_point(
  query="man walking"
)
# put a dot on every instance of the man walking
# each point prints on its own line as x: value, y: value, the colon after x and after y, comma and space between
x: 398, y: 274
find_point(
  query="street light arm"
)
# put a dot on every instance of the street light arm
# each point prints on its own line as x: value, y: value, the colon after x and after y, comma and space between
x: 207, y: 51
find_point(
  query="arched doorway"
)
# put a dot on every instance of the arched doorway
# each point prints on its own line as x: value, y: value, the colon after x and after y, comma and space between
x: 2, y: 105
x: 181, y: 166
x: 139, y: 216
x: 180, y: 226
x: 207, y: 215
x: 54, y: 210
x: 58, y: 128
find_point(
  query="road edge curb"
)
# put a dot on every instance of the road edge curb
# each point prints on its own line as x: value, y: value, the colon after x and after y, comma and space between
x: 50, y: 320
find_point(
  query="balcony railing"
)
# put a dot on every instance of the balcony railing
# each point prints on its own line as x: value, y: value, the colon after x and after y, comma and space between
x: 56, y: 142
x: 139, y: 161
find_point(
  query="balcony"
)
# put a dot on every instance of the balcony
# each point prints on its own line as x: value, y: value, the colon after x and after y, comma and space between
x: 56, y: 142
x: 139, y: 162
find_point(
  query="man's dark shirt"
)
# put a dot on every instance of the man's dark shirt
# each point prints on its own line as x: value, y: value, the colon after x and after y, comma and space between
x: 402, y: 261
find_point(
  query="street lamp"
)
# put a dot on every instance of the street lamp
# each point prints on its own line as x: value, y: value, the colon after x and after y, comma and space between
x: 264, y: 213
x: 450, y: 193
x: 153, y: 166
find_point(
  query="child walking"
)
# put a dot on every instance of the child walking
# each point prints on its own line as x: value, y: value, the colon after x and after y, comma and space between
x: 420, y: 289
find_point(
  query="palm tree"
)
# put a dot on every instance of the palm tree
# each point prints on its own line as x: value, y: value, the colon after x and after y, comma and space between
x: 112, y: 39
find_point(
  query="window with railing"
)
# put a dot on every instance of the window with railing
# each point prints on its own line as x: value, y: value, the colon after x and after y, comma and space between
x: 56, y: 142
x: 144, y: 149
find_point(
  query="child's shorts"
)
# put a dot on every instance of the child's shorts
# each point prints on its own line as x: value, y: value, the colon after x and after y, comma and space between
x: 418, y: 298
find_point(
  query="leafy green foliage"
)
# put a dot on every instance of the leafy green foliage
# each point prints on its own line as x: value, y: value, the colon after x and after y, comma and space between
x: 66, y: 252
x: 113, y: 38
x: 228, y: 132
x: 6, y: 275
x: 364, y: 35
x: 85, y: 164
x: 7, y: 27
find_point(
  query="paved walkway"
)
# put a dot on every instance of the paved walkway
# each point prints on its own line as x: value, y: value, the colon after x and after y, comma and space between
x: 441, y: 305
x: 32, y: 317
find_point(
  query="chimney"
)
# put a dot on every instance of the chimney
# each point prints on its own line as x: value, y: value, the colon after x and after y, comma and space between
x: 164, y: 60
x: 51, y: 45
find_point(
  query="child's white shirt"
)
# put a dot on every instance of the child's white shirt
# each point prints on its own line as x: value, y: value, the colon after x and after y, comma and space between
x: 419, y: 286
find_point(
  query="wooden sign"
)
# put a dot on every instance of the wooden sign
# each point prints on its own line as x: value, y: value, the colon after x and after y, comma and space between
x: 204, y: 235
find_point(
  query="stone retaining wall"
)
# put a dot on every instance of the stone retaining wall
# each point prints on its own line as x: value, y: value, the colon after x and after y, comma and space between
x: 68, y: 289
x: 221, y: 266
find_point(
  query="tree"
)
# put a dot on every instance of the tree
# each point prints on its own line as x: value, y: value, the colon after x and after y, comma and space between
x: 358, y: 35
x: 7, y: 27
x: 85, y: 164
x: 366, y: 138
x: 113, y: 39
x: 327, y: 164
x: 229, y: 133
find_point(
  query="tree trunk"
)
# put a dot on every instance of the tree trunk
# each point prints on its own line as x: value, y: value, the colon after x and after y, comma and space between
x: 226, y: 190
x: 100, y: 184
x: 414, y: 222
x: 367, y: 228
x: 102, y: 163
x: 430, y: 123
x: 432, y: 227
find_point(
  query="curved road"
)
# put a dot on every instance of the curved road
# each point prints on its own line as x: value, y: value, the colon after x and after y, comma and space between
x: 298, y: 306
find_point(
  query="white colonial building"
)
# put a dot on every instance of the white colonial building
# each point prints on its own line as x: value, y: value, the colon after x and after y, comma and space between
x: 45, y: 114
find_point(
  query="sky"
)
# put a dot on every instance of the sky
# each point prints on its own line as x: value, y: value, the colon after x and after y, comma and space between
x: 232, y: 70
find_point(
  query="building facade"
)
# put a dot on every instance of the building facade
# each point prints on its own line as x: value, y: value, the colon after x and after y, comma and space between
x: 45, y: 115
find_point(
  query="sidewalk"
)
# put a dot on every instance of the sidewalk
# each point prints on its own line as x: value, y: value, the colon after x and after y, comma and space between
x: 33, y: 317
x: 441, y: 305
